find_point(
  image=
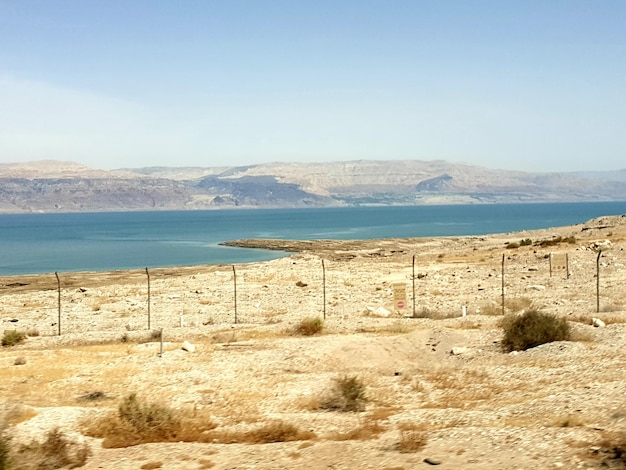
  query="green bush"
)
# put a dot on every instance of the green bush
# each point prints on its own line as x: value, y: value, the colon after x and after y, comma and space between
x: 531, y: 329
x: 12, y: 337
x: 309, y: 326
x: 348, y: 394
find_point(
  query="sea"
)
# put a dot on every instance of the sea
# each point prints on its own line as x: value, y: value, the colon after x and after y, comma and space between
x: 70, y: 242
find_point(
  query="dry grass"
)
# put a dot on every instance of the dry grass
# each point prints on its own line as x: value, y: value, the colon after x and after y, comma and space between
x: 364, y: 432
x: 533, y: 328
x: 347, y: 394
x: 138, y: 422
x: 275, y: 431
x: 395, y: 328
x: 456, y: 387
x: 413, y: 438
x: 56, y: 451
x: 309, y: 326
x: 13, y: 337
x: 613, y: 446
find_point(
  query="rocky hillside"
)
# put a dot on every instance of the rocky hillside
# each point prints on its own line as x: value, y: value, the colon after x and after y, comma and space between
x: 51, y: 186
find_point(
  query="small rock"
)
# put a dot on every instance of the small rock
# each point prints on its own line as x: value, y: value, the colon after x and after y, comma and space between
x: 301, y: 284
x: 597, y: 323
x: 378, y: 311
x: 458, y: 350
x: 187, y: 346
x: 430, y: 461
x: 20, y: 361
x: 537, y: 287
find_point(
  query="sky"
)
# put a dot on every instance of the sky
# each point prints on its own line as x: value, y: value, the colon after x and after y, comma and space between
x: 529, y: 85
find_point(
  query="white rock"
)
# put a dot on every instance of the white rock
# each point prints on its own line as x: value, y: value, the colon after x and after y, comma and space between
x: 458, y: 350
x: 379, y: 311
x: 187, y: 346
x: 537, y: 287
x: 597, y: 323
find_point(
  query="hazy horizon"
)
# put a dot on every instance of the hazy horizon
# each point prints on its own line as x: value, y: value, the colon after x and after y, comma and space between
x: 531, y: 86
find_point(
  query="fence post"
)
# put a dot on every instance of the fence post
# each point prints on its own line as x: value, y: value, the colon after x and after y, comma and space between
x: 413, y: 280
x: 502, y: 284
x: 235, y: 293
x: 148, y: 274
x: 58, y: 301
x: 324, y: 287
x: 598, y: 282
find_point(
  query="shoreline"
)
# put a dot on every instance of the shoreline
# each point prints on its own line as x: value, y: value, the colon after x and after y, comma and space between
x: 336, y: 250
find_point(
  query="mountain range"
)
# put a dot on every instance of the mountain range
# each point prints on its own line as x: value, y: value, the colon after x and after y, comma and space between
x: 55, y: 186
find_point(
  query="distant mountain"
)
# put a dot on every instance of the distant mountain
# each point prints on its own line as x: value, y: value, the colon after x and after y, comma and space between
x: 51, y: 186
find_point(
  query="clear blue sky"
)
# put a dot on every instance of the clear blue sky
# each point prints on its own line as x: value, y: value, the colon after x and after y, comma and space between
x: 529, y: 85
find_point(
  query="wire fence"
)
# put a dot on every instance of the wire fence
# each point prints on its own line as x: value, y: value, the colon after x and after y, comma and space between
x: 575, y: 281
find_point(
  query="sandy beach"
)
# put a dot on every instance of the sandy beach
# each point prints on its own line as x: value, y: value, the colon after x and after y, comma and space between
x: 439, y: 388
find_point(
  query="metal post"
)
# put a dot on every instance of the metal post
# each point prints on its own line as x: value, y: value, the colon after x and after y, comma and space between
x: 148, y: 274
x: 235, y: 294
x: 161, y: 341
x: 598, y: 282
x: 413, y: 278
x: 502, y: 284
x: 324, y: 287
x: 58, y: 301
x: 550, y: 258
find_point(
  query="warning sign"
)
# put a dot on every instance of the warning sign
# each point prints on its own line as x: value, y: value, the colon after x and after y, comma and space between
x: 559, y: 263
x: 399, y: 295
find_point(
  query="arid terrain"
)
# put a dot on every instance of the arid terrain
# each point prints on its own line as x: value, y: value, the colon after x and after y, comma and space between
x: 438, y: 388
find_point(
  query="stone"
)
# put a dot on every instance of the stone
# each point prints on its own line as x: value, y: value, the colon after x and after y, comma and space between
x: 430, y: 461
x: 187, y: 346
x: 378, y: 311
x: 598, y: 323
x: 536, y: 287
x: 458, y: 350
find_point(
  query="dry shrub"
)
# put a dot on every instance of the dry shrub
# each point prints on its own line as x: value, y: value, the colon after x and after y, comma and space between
x: 13, y: 337
x: 275, y: 431
x: 556, y: 241
x: 412, y: 438
x: 395, y: 328
x: 55, y: 452
x: 586, y: 319
x: 309, y: 326
x: 367, y: 431
x: 456, y: 387
x: 5, y: 447
x: 613, y: 447
x: 138, y: 422
x: 347, y: 394
x: 531, y: 329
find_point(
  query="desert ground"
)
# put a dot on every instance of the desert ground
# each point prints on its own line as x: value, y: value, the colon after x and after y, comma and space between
x: 439, y: 389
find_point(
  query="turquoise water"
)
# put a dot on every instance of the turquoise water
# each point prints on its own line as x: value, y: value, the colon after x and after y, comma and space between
x: 41, y: 243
